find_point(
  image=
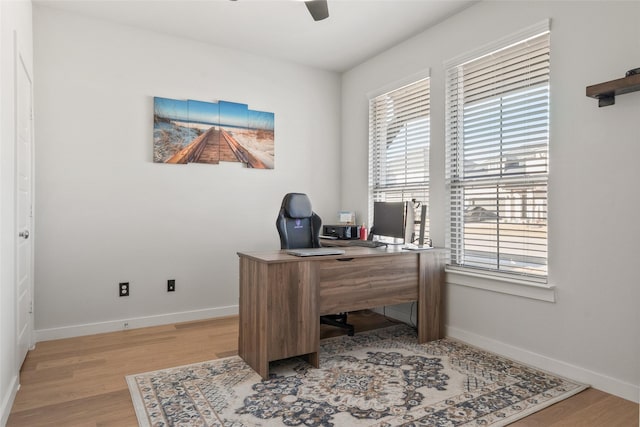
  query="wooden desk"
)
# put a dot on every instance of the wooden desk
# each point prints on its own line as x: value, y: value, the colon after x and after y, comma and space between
x: 282, y: 296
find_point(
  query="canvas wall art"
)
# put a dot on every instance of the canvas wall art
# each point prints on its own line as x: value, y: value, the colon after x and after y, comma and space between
x: 207, y: 132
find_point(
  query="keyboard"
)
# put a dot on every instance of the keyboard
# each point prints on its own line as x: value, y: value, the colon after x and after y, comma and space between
x: 366, y: 243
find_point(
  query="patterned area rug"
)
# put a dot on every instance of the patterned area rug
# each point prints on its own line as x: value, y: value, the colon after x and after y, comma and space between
x: 380, y: 378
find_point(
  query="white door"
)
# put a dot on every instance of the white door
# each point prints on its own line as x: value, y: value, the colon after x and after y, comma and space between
x: 24, y: 220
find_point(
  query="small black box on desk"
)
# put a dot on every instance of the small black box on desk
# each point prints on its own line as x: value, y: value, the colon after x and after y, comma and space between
x: 344, y: 232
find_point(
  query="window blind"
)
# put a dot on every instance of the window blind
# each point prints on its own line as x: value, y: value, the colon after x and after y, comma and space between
x: 497, y: 133
x: 399, y: 132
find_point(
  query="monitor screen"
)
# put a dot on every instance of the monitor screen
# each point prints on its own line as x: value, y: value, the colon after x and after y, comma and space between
x: 393, y: 219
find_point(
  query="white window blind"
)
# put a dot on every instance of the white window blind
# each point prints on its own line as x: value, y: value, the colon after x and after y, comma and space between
x: 399, y: 131
x: 497, y: 133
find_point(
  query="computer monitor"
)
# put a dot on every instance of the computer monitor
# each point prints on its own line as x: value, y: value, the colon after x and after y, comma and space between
x: 393, y: 220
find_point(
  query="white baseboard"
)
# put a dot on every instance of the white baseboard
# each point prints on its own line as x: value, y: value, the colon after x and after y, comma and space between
x: 596, y: 380
x: 133, y: 323
x: 600, y: 381
x: 8, y: 399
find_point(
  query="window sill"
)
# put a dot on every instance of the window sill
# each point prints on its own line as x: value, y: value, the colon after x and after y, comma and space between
x: 504, y: 285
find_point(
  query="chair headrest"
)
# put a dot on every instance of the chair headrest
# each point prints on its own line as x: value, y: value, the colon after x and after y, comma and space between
x: 297, y: 205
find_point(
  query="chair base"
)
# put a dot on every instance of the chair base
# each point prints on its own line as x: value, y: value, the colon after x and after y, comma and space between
x: 339, y: 321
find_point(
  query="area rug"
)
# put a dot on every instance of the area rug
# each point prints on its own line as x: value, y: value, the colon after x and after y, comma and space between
x: 379, y: 378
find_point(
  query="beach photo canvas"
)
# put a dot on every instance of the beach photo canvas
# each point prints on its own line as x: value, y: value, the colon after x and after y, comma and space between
x: 207, y: 132
x: 169, y: 137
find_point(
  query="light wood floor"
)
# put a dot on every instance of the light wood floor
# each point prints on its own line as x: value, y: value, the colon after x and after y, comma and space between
x: 80, y: 381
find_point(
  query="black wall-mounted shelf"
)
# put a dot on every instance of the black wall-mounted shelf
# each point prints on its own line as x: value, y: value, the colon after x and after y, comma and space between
x: 606, y: 92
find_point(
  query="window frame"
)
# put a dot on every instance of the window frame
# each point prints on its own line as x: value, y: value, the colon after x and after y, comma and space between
x: 398, y: 192
x: 533, y: 286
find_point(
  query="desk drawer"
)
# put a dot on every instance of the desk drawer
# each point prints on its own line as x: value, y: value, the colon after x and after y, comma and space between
x: 361, y: 283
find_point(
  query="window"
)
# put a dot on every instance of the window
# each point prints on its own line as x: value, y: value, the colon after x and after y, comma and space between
x: 497, y: 134
x: 399, y: 129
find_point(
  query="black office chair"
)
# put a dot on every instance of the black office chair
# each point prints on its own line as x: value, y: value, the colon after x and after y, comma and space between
x: 299, y: 227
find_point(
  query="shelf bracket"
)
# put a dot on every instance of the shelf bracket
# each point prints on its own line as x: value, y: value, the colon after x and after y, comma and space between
x: 605, y: 101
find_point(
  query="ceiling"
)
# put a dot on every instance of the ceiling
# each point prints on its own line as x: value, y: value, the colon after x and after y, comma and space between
x: 283, y: 29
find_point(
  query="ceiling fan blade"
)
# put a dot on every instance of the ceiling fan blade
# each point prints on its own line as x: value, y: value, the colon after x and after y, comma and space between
x: 318, y: 9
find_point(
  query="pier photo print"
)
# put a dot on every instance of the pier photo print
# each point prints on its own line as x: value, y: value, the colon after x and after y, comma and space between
x: 206, y: 132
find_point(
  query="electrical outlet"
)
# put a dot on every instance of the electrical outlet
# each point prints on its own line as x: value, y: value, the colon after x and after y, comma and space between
x: 125, y: 325
x: 123, y: 288
x: 171, y: 285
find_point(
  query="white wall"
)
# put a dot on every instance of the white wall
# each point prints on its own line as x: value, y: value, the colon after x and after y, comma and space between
x: 591, y: 332
x: 108, y: 214
x: 15, y: 30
